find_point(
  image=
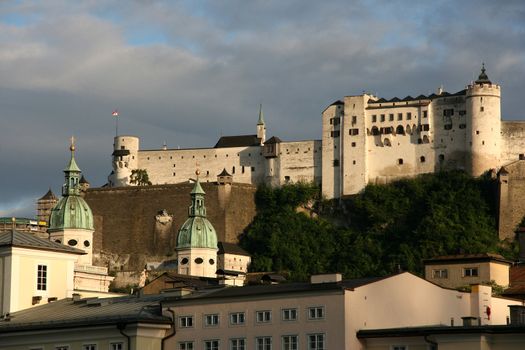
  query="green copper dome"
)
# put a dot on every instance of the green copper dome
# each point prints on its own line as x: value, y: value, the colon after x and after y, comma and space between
x: 71, y: 211
x: 197, y: 231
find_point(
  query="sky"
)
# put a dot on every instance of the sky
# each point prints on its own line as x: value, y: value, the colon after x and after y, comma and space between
x: 187, y: 72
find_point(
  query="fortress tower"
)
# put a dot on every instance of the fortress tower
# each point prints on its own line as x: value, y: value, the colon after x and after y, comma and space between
x: 483, y: 107
x: 261, y: 127
x: 71, y: 219
x: 125, y: 159
x: 197, y: 240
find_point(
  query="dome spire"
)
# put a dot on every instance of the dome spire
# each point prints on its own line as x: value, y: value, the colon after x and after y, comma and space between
x: 261, y: 116
x: 72, y: 172
x: 483, y: 78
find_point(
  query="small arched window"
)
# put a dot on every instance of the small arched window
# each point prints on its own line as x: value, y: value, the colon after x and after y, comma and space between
x: 400, y: 130
x: 375, y: 130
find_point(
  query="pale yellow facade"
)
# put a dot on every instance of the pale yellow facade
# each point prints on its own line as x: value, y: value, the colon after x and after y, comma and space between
x: 465, y: 273
x: 19, y: 272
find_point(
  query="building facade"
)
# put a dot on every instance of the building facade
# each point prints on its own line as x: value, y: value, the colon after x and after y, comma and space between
x: 365, y: 139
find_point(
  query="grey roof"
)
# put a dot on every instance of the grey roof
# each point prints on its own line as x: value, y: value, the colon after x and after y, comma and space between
x: 83, y: 180
x: 120, y: 152
x: 284, y: 288
x: 48, y: 195
x: 230, y: 248
x: 238, y: 141
x: 68, y: 313
x: 27, y: 240
x: 273, y: 139
x: 420, y: 97
x: 224, y: 173
x: 462, y: 258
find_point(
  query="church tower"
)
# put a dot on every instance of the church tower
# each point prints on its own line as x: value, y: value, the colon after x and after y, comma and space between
x: 71, y: 219
x: 483, y: 106
x: 197, y: 240
x: 261, y: 127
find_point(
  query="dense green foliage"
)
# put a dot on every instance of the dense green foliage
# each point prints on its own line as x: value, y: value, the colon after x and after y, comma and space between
x: 384, y: 228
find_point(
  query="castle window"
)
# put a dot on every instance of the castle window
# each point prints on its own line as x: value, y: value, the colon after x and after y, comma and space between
x: 391, y: 117
x: 374, y: 118
x: 448, y: 112
x: 334, y: 133
x: 425, y: 127
x: 199, y: 261
x: 354, y: 119
x: 375, y: 130
x: 253, y: 168
x: 160, y: 157
x: 482, y: 142
x: 477, y: 132
x: 409, y: 115
x: 207, y: 172
x: 171, y: 157
x: 174, y: 165
x: 336, y: 162
x: 481, y: 109
x: 242, y: 169
x: 148, y: 158
x: 426, y: 139
x: 353, y: 162
x: 122, y: 147
x: 174, y: 174
x: 233, y: 170
x: 86, y: 244
x: 462, y: 126
x: 462, y: 112
x: 400, y: 130
x: 215, y: 156
x: 353, y: 144
x: 204, y: 156
x: 400, y: 116
x: 441, y: 157
x: 287, y: 179
x: 181, y: 157
x: 425, y: 114
x: 448, y: 126
x: 386, y: 142
x: 400, y: 161
x: 422, y: 159
x: 521, y: 156
x: 382, y: 117
x: 409, y: 130
x: 193, y: 157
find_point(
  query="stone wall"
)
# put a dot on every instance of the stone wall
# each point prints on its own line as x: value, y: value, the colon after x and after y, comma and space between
x: 136, y: 225
x: 511, y: 193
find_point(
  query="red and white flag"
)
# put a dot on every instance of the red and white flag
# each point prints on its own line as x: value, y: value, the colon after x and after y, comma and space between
x: 115, y: 113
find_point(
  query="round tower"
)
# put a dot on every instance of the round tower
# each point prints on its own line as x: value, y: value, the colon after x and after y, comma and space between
x: 197, y: 240
x: 71, y: 219
x: 483, y: 106
x: 125, y: 159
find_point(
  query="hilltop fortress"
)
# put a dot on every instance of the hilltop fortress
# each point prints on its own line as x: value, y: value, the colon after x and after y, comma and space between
x: 365, y: 139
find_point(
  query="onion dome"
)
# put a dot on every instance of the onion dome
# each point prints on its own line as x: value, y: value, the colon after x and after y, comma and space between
x: 197, y: 231
x: 71, y: 211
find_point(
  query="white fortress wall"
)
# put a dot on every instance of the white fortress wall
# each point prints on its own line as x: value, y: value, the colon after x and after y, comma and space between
x: 331, y: 150
x: 300, y: 161
x: 512, y: 141
x: 246, y: 164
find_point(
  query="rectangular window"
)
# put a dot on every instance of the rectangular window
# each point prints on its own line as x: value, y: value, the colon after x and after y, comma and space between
x: 391, y: 117
x: 425, y: 127
x: 374, y: 118
x: 462, y: 112
x: 89, y: 347
x: 316, y: 313
x: 238, y: 344
x: 470, y: 272
x: 353, y: 144
x: 448, y: 112
x: 353, y: 132
x: 399, y: 347
x: 440, y: 273
x: 186, y: 345
x: 400, y: 116
x: 263, y: 316
x: 237, y: 318
x: 211, y: 320
x: 211, y: 344
x: 41, y: 277
x: 290, y: 342
x: 336, y: 120
x: 382, y: 117
x: 334, y: 133
x: 316, y: 342
x: 116, y: 346
x: 289, y: 314
x: 354, y: 119
x: 186, y: 321
x: 425, y: 114
x: 263, y: 343
x: 409, y: 115
x: 336, y: 162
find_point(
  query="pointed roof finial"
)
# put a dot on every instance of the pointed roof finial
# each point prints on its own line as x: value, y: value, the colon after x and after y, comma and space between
x: 72, y: 166
x: 261, y: 116
x: 483, y: 78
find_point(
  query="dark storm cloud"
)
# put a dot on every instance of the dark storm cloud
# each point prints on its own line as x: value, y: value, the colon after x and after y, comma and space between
x: 186, y: 72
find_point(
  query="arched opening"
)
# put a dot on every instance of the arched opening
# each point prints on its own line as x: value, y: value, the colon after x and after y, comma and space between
x: 386, y: 142
x: 426, y: 139
x: 375, y: 130
x: 400, y: 130
x: 409, y: 130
